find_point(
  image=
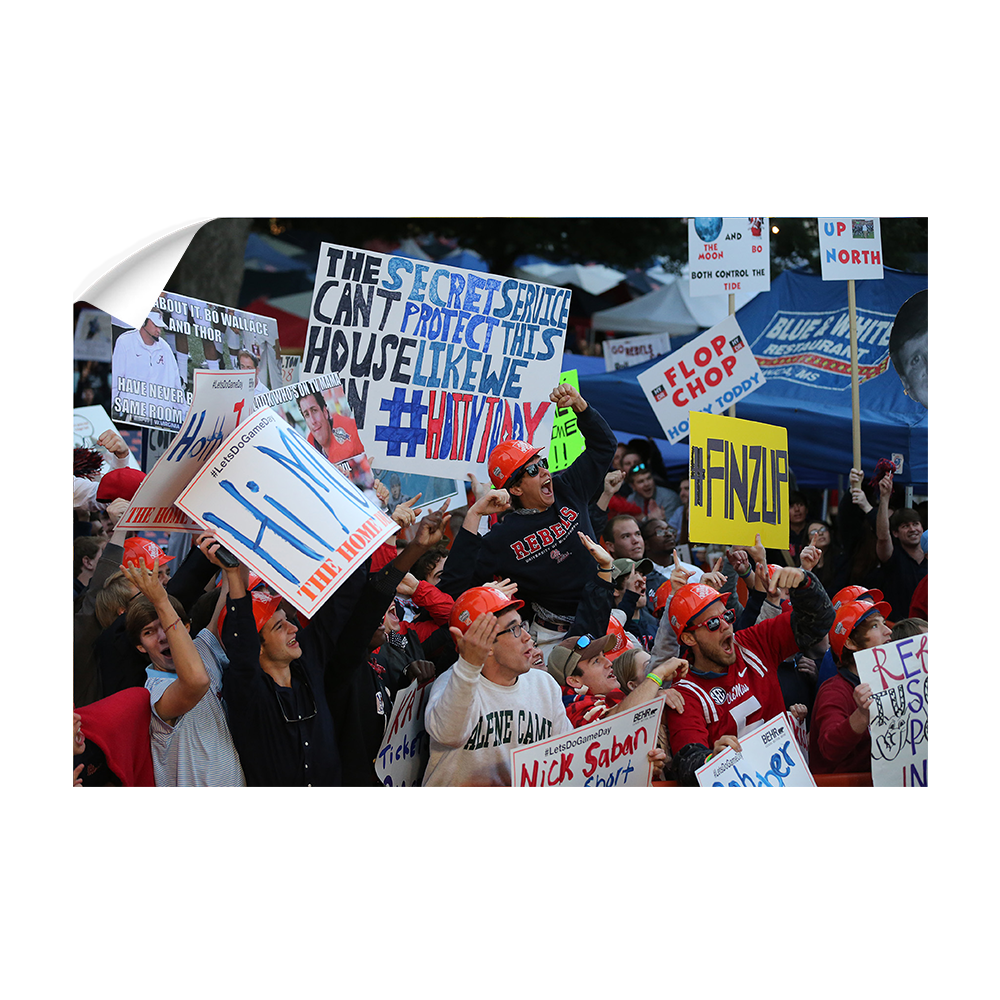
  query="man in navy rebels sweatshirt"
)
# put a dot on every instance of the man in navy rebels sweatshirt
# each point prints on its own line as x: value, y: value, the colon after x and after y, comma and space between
x: 535, y: 543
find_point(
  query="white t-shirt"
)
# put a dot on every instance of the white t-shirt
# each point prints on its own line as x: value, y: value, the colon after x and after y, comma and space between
x: 474, y: 724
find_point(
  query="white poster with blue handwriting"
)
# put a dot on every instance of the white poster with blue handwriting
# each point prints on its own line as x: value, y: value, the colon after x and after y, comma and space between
x: 440, y: 364
x: 221, y: 399
x: 769, y: 757
x: 285, y: 511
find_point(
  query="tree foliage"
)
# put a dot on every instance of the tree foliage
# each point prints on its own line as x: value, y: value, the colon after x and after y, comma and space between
x: 623, y: 243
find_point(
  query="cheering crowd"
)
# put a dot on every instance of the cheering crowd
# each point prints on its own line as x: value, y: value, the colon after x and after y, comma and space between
x: 547, y: 602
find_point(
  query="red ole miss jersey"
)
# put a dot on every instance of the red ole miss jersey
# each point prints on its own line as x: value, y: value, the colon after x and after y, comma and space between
x: 749, y: 693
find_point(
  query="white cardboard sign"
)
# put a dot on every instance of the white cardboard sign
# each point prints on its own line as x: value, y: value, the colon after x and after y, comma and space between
x: 624, y: 352
x: 440, y: 364
x: 285, y: 511
x: 850, y: 248
x: 770, y: 758
x: 707, y: 374
x: 220, y: 400
x: 897, y: 675
x: 403, y: 755
x: 729, y: 255
x: 611, y: 752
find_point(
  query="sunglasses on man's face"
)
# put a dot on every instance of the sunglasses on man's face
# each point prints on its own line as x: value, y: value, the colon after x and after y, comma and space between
x: 714, y: 624
x: 532, y: 470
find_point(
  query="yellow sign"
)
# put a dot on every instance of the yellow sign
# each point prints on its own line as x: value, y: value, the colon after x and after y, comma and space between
x: 567, y: 439
x: 739, y: 482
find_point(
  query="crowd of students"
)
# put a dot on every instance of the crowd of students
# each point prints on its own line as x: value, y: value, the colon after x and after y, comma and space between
x: 545, y: 602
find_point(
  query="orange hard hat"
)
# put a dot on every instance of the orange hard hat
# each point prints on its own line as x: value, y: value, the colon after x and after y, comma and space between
x: 662, y: 596
x: 506, y: 458
x: 479, y: 601
x: 264, y: 605
x: 142, y: 550
x: 689, y: 602
x: 623, y: 640
x: 849, y: 616
x: 854, y: 592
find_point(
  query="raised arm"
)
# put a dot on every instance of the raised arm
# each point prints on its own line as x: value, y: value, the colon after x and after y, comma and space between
x: 110, y: 561
x: 586, y: 475
x: 192, y: 679
x: 194, y: 574
x: 883, y: 543
x: 464, y: 568
x: 667, y: 671
x: 451, y: 714
x: 812, y: 611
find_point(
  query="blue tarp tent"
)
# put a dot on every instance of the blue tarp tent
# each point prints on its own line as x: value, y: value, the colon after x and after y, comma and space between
x: 798, y: 331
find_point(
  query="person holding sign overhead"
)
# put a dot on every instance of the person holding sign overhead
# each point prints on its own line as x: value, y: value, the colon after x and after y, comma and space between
x: 305, y: 707
x: 534, y: 543
x: 733, y: 680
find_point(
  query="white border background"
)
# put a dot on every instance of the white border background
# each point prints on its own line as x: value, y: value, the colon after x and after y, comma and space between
x: 125, y: 126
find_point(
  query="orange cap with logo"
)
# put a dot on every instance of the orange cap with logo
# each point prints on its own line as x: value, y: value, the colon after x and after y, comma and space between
x: 506, y: 458
x: 479, y: 601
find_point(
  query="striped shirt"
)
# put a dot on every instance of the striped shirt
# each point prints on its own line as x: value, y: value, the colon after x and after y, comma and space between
x: 198, y: 749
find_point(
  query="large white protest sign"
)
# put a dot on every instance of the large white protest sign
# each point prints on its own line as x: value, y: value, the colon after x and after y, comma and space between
x: 850, y: 248
x: 219, y: 402
x: 729, y: 255
x: 440, y: 364
x: 285, y: 511
x: 624, y: 352
x: 152, y: 366
x: 706, y: 375
x: 607, y: 753
x: 769, y: 758
x: 402, y: 757
x: 897, y: 675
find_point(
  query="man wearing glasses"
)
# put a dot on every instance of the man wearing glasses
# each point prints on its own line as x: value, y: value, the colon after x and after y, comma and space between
x: 733, y: 682
x: 535, y: 544
x: 490, y: 701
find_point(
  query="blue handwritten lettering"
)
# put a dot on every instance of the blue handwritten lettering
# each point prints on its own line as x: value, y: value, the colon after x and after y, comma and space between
x: 393, y: 433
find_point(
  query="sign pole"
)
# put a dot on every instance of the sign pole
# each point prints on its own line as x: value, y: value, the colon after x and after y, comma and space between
x: 849, y: 249
x: 855, y: 399
x: 732, y: 312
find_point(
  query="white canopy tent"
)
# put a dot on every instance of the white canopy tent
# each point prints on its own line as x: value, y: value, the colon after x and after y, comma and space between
x: 671, y: 309
x: 592, y: 278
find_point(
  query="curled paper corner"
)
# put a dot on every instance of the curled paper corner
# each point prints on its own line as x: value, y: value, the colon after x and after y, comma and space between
x: 129, y: 288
